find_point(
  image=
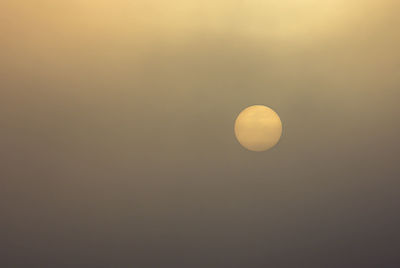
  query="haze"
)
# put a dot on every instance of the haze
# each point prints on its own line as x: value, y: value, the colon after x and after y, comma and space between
x: 117, y: 143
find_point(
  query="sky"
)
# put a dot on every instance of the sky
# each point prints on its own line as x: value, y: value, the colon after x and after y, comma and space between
x: 117, y: 146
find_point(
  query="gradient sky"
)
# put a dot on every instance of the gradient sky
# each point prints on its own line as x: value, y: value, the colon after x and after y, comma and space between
x: 117, y: 146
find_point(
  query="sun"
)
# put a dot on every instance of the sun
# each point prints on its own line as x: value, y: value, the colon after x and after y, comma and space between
x: 258, y: 128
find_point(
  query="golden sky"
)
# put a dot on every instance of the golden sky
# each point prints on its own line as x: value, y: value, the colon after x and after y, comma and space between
x: 117, y: 142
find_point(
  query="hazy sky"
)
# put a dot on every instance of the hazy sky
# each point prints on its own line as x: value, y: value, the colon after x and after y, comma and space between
x: 117, y: 146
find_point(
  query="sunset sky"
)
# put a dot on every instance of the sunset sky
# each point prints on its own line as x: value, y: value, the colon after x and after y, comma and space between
x: 117, y: 144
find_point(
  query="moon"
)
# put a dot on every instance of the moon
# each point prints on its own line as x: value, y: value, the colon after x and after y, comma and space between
x: 258, y: 128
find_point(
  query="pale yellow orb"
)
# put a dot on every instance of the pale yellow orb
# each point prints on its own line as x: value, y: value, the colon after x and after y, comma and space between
x: 258, y: 128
